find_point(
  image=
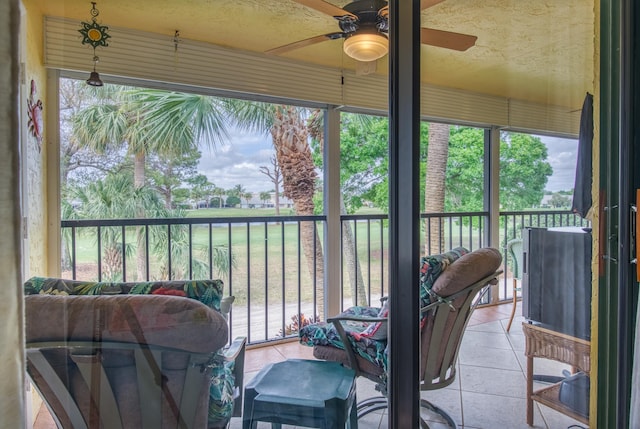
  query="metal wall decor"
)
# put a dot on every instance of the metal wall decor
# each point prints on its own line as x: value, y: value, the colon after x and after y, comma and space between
x: 95, y: 35
x: 34, y: 112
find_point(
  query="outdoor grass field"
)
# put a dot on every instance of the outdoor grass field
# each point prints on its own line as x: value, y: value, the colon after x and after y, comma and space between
x: 268, y: 263
x: 269, y: 274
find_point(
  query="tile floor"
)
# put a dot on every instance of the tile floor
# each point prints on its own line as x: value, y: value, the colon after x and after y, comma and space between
x: 489, y: 392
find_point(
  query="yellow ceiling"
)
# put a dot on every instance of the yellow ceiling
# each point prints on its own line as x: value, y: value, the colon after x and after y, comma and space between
x: 535, y: 50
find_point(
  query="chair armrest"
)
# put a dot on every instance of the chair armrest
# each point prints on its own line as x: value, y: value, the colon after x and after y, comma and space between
x: 237, y: 347
x: 352, y: 318
x: 235, y: 353
x: 351, y: 356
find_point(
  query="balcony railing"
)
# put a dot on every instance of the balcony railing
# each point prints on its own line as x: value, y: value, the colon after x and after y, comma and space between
x: 364, y: 276
x: 511, y: 226
x: 272, y: 265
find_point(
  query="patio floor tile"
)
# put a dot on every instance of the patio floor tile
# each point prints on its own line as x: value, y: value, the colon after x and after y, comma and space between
x: 487, y: 411
x: 488, y: 393
x: 488, y: 357
x: 500, y: 382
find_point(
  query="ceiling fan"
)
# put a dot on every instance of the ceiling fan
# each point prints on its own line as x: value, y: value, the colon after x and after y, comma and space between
x: 364, y: 25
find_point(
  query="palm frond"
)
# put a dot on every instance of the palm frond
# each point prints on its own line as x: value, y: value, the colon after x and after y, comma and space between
x: 252, y: 116
x: 100, y: 126
x: 172, y: 122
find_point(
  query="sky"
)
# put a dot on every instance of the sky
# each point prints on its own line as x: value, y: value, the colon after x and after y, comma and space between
x: 239, y: 160
x: 562, y: 155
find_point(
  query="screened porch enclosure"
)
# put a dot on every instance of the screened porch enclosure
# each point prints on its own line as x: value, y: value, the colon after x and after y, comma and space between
x: 497, y: 87
x: 278, y: 284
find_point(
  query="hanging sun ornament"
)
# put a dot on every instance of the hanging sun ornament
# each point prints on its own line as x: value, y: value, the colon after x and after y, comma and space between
x: 95, y: 35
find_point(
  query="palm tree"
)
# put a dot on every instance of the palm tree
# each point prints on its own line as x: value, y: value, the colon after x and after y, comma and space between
x: 238, y: 190
x: 105, y: 199
x: 437, y: 154
x: 288, y: 128
x: 115, y: 197
x: 265, y: 197
x: 148, y: 121
x: 219, y: 192
x: 247, y: 197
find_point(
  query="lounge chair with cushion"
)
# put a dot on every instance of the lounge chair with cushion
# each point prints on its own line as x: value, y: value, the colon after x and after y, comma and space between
x: 451, y: 286
x: 125, y: 355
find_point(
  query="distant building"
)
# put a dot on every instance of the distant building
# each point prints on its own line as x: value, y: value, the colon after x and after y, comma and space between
x: 256, y: 203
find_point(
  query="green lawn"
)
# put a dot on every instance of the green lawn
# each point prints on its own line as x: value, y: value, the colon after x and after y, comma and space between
x: 237, y: 212
x: 267, y: 261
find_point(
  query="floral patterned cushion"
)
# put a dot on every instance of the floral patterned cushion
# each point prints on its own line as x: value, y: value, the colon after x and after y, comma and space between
x: 325, y: 334
x: 365, y: 345
x: 221, y: 394
x: 378, y: 330
x: 209, y: 292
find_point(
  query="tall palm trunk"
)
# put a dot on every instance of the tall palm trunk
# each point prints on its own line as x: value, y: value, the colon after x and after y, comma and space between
x: 168, y: 200
x: 141, y: 250
x: 290, y: 134
x: 437, y: 154
x: 358, y: 294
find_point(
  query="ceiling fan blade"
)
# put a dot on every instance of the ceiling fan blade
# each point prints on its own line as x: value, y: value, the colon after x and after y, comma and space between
x: 305, y: 42
x: 328, y: 8
x: 424, y: 4
x: 428, y: 3
x: 447, y: 39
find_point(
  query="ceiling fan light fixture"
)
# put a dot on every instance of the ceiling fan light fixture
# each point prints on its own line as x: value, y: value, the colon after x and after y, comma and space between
x: 366, y: 46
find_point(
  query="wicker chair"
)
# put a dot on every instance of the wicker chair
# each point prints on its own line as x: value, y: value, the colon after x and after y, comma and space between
x: 450, y: 295
x: 125, y: 360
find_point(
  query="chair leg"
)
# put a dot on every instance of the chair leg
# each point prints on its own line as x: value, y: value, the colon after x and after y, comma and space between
x: 353, y: 417
x: 372, y: 404
x: 442, y: 413
x: 380, y: 402
x: 515, y: 302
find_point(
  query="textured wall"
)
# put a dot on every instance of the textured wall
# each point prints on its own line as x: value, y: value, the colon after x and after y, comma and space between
x: 35, y: 191
x: 34, y: 167
x: 534, y: 50
x: 11, y: 328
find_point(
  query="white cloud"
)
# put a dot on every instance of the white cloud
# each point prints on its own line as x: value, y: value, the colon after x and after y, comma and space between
x: 562, y: 155
x: 238, y: 162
